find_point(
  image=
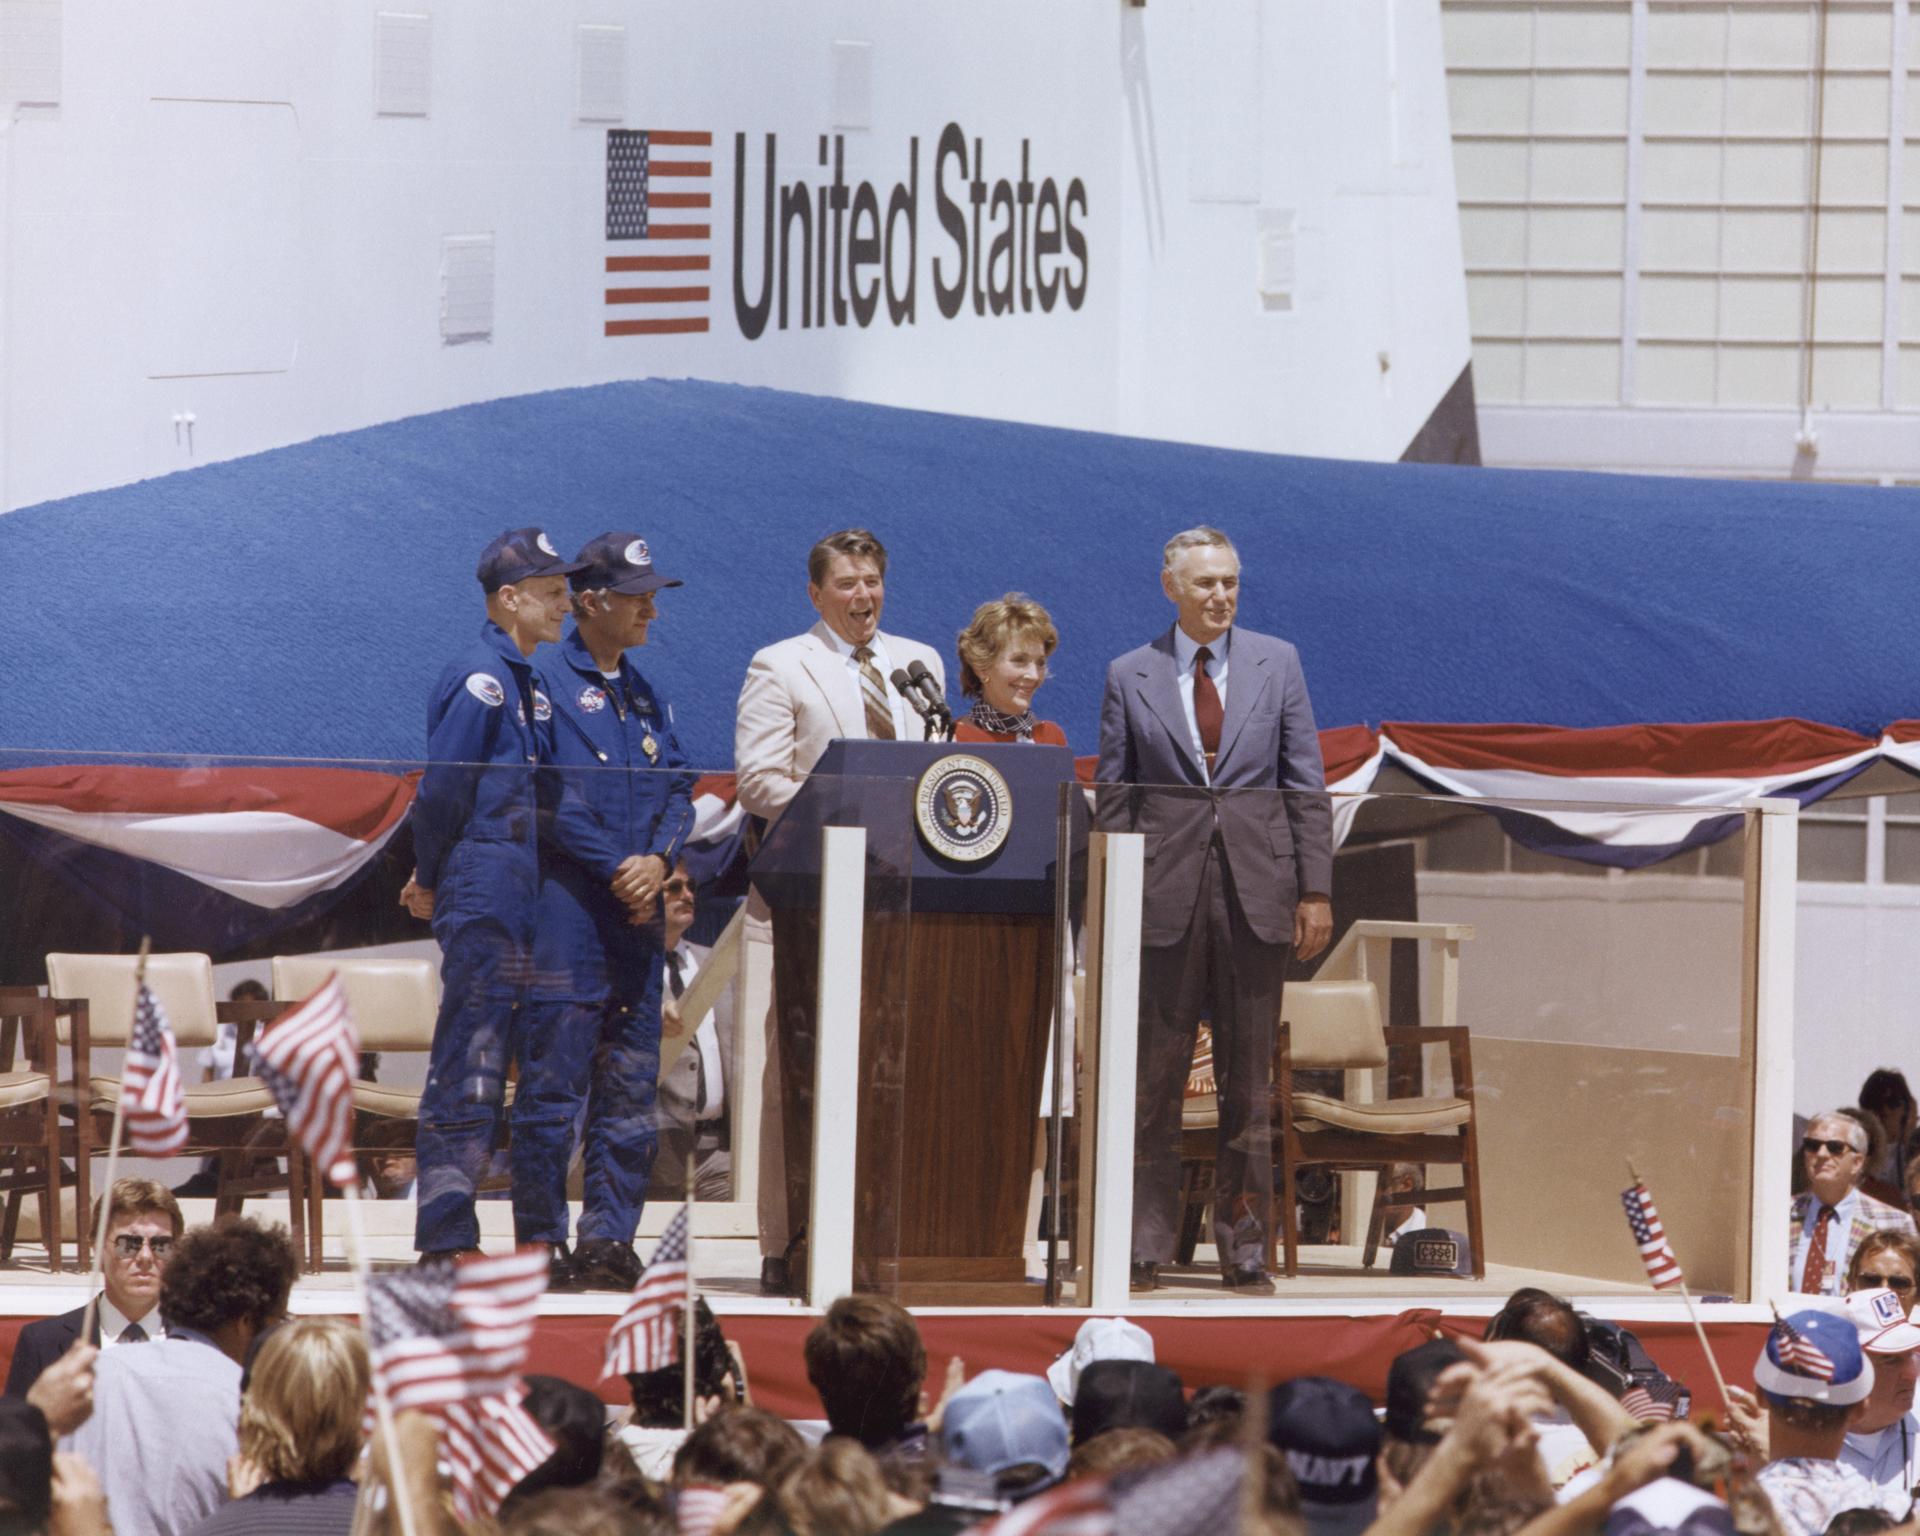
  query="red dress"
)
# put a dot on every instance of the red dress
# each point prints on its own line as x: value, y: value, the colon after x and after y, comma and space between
x: 1045, y: 734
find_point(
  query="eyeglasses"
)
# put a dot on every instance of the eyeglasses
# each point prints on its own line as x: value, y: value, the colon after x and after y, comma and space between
x: 129, y: 1244
x: 1900, y: 1283
x: 1812, y: 1144
x: 678, y: 884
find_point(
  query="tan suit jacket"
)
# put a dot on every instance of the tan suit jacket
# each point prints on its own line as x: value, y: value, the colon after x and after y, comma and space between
x: 799, y: 695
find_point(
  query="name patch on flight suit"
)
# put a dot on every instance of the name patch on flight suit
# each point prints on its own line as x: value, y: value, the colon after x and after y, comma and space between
x: 486, y: 688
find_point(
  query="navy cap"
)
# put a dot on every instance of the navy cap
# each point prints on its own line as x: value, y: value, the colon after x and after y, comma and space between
x: 1327, y: 1432
x: 618, y: 562
x: 520, y: 554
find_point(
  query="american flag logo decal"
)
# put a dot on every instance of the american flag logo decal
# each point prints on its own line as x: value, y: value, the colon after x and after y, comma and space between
x: 660, y: 190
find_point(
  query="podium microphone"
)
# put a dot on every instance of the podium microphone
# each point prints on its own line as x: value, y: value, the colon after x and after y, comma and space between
x: 903, y: 685
x: 936, y: 702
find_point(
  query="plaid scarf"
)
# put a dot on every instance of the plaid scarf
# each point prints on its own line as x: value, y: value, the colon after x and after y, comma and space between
x: 992, y: 721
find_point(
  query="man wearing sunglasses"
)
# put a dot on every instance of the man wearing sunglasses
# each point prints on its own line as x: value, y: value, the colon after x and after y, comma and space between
x: 1833, y: 1215
x: 695, y: 1085
x: 143, y: 1222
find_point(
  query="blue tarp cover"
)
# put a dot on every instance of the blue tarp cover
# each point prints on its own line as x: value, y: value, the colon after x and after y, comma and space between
x: 301, y: 602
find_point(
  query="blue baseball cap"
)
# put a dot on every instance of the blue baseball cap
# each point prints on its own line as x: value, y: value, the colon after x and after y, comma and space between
x: 1002, y: 1419
x: 1815, y: 1356
x: 618, y: 562
x: 520, y: 554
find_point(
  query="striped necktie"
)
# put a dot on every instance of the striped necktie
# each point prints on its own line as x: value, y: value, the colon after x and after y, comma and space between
x: 873, y: 693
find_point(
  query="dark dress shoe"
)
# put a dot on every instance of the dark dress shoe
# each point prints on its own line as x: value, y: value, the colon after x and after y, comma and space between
x: 601, y: 1264
x: 560, y: 1271
x: 1142, y: 1276
x: 1250, y: 1279
x: 445, y: 1256
x: 776, y: 1279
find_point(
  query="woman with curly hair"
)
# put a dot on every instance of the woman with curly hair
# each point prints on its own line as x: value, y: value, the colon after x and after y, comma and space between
x: 299, y: 1434
x: 1003, y: 662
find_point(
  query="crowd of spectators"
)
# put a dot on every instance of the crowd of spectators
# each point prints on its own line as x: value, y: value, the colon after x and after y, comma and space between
x: 232, y: 1420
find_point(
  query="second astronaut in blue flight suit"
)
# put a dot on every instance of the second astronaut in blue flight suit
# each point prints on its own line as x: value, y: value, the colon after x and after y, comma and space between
x: 610, y: 804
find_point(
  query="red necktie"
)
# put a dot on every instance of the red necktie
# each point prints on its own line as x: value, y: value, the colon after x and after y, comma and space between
x: 1815, y: 1271
x: 1207, y: 713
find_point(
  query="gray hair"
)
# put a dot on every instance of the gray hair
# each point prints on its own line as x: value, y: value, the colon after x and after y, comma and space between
x: 1196, y: 538
x: 1857, y: 1136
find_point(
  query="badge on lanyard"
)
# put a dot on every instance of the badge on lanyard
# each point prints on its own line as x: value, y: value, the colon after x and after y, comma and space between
x: 651, y: 747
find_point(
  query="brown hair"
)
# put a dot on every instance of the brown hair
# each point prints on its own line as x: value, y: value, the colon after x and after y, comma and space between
x: 739, y: 1445
x: 1877, y: 1243
x: 306, y: 1394
x: 855, y: 542
x: 866, y: 1361
x: 1112, y: 1450
x: 574, y: 1512
x: 139, y: 1197
x: 994, y: 627
x: 840, y: 1492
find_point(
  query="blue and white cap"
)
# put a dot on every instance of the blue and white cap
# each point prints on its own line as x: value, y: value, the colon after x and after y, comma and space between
x: 520, y: 554
x: 619, y: 562
x: 1814, y: 1356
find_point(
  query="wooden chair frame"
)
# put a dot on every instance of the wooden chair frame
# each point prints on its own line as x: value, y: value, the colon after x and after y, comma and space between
x: 236, y: 1141
x: 33, y: 1134
x: 1361, y: 1151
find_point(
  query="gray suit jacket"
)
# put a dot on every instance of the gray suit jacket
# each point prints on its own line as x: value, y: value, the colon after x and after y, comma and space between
x: 1277, y: 846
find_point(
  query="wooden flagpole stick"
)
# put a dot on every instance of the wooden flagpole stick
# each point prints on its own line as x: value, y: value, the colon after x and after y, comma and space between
x: 686, y: 1343
x: 382, y: 1408
x: 105, y: 1198
x: 1713, y: 1364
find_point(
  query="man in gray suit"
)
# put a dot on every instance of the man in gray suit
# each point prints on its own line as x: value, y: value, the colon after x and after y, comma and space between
x: 1207, y: 724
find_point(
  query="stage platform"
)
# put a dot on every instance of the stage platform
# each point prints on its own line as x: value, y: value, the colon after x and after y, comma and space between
x: 1333, y: 1319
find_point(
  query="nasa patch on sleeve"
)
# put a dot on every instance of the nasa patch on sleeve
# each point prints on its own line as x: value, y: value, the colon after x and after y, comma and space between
x: 486, y: 688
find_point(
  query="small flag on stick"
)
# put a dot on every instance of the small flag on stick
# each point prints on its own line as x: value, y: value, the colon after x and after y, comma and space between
x: 642, y: 1340
x: 1653, y: 1402
x: 153, y: 1104
x: 489, y: 1445
x: 449, y: 1333
x: 1799, y: 1353
x: 1663, y: 1268
x: 308, y: 1058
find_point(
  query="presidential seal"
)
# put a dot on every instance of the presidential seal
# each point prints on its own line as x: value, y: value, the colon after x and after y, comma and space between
x: 964, y: 808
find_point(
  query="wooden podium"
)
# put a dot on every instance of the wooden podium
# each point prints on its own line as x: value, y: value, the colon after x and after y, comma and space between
x: 957, y: 997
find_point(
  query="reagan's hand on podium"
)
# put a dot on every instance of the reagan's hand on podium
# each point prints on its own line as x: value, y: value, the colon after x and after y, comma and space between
x: 1312, y: 926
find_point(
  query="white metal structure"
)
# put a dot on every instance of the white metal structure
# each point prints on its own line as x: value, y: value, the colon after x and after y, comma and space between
x: 225, y: 227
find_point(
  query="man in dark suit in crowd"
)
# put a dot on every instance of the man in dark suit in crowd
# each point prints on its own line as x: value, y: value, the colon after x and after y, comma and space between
x: 143, y: 1223
x: 1208, y: 724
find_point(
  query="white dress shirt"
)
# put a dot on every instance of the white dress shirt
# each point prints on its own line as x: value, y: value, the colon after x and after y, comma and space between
x: 114, y: 1322
x: 706, y: 1040
x: 1185, y: 648
x: 903, y: 718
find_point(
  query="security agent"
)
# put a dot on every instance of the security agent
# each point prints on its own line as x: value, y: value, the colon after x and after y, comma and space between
x: 614, y: 819
x: 476, y: 873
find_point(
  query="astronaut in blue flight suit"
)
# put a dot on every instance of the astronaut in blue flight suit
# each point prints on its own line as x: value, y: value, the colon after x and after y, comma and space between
x: 476, y: 874
x: 608, y: 800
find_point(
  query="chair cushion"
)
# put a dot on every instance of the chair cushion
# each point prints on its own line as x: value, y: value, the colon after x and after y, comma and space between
x: 17, y: 1088
x: 389, y: 1103
x: 1386, y: 1117
x: 220, y: 1100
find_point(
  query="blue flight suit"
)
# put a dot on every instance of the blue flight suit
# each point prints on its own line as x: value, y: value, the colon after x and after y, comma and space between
x: 475, y: 831
x: 593, y: 1036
